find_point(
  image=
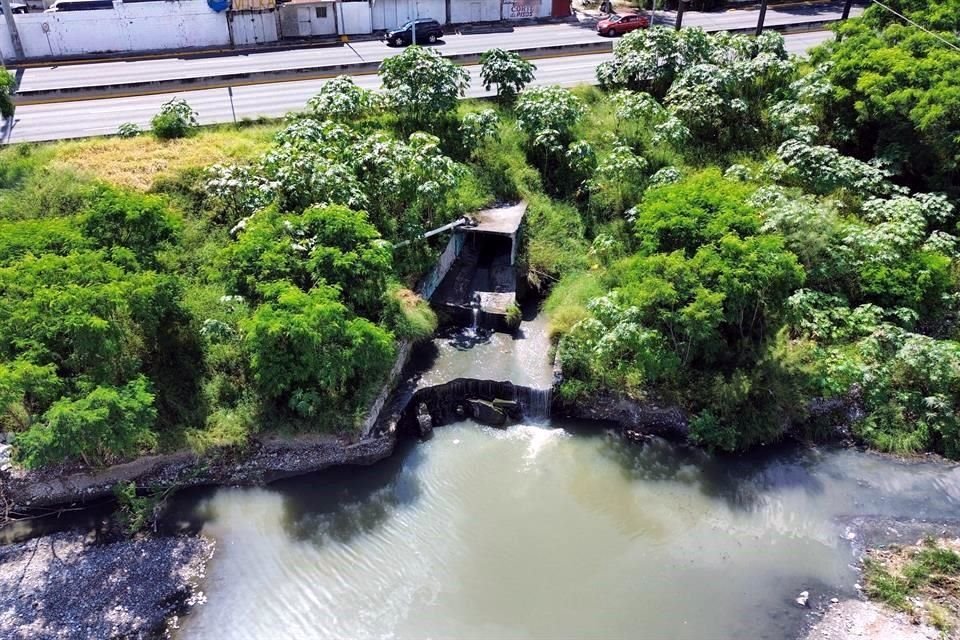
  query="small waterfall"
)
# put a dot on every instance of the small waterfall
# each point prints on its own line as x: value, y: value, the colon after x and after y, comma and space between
x: 535, y: 403
x: 476, y: 315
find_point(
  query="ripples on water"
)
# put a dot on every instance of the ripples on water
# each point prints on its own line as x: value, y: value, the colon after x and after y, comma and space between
x: 540, y: 532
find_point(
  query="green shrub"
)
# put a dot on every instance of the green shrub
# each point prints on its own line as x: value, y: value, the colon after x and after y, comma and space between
x: 106, y: 425
x: 7, y: 84
x: 408, y: 315
x: 129, y: 130
x: 176, y: 119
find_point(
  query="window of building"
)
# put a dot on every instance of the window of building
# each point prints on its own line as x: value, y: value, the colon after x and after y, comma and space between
x: 321, y: 12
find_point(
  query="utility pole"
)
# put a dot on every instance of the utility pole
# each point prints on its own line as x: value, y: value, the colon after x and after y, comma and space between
x: 653, y: 13
x: 680, y: 5
x: 846, y: 9
x: 416, y: 16
x: 12, y: 28
x: 763, y: 14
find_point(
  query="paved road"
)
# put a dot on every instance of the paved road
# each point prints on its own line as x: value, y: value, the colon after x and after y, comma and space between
x: 102, y: 116
x: 98, y: 74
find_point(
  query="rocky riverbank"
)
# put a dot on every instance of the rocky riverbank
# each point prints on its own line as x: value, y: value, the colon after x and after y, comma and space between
x: 71, y: 586
x: 886, y: 548
x: 264, y: 460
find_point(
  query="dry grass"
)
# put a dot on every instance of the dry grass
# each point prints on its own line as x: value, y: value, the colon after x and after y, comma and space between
x: 922, y: 580
x: 137, y: 162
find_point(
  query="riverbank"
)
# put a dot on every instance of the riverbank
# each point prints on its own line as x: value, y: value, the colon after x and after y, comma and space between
x: 908, y: 573
x: 265, y: 459
x: 70, y: 585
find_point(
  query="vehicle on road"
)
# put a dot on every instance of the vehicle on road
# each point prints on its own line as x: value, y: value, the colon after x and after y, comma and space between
x: 621, y: 24
x: 17, y: 7
x: 428, y: 32
x: 79, y: 5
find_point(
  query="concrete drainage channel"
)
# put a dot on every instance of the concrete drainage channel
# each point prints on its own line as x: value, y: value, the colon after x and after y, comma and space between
x: 46, y: 96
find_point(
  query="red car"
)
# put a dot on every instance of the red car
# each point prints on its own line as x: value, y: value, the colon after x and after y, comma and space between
x: 621, y: 24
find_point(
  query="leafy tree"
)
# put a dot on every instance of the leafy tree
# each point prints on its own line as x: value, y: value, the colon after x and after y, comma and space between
x: 140, y: 223
x: 176, y: 119
x: 823, y: 169
x: 895, y: 92
x: 403, y: 185
x: 89, y: 317
x: 104, y: 426
x: 7, y: 84
x: 325, y: 245
x: 342, y: 100
x: 552, y: 109
x: 308, y: 351
x: 688, y: 214
x: 506, y: 69
x: 422, y: 85
x: 650, y: 59
x: 25, y: 390
x: 477, y: 127
x: 54, y: 235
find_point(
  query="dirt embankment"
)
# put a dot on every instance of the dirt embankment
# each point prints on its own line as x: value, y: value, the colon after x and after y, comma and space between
x: 263, y: 461
x: 69, y: 586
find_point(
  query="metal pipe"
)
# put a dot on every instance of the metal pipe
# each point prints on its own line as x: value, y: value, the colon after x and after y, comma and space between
x: 459, y: 222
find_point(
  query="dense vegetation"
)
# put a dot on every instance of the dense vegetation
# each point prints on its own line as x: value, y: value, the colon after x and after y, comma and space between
x: 735, y: 232
x: 764, y: 277
x: 266, y: 289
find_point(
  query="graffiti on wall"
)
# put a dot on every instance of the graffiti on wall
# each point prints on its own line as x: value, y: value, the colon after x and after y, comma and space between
x: 520, y: 9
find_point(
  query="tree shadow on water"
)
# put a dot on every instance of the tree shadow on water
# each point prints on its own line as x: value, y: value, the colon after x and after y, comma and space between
x: 742, y: 481
x: 341, y: 503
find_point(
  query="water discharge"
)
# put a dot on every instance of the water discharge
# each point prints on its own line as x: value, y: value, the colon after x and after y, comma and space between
x: 544, y: 532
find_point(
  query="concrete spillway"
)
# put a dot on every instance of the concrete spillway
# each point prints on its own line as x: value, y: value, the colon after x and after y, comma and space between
x: 481, y: 269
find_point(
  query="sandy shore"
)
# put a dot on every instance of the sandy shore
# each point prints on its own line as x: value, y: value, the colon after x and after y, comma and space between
x: 68, y: 586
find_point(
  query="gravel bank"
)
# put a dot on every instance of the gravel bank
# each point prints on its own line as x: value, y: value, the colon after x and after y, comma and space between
x: 67, y: 586
x: 860, y: 620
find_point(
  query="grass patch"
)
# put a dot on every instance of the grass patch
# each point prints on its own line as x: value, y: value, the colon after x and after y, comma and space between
x: 409, y: 315
x: 567, y: 304
x: 922, y: 581
x: 138, y: 162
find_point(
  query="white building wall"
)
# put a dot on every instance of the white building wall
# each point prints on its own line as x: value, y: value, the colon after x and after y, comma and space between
x: 388, y: 14
x: 526, y: 9
x: 355, y: 17
x: 463, y: 11
x: 140, y: 26
x: 253, y: 27
x: 6, y: 46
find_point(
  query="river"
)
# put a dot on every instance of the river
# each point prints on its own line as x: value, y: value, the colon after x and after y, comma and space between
x: 545, y: 531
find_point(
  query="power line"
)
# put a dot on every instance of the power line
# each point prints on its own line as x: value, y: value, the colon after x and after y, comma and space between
x: 919, y: 26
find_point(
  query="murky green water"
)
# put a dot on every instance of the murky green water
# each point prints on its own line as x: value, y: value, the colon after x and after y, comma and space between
x: 542, y: 532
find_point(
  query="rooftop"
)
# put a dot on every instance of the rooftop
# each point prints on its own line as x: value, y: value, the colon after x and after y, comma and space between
x: 504, y: 220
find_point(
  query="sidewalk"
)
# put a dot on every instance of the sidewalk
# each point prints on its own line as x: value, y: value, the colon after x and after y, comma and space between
x: 142, y: 74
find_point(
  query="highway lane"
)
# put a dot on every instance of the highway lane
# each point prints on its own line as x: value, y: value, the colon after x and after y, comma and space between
x: 110, y: 73
x: 78, y: 119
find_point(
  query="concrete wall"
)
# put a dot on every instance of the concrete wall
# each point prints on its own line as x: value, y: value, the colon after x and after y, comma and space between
x: 388, y: 14
x: 355, y: 17
x: 302, y: 20
x: 526, y: 9
x: 253, y: 27
x: 141, y: 26
x: 432, y: 280
x: 462, y: 11
x: 6, y: 47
